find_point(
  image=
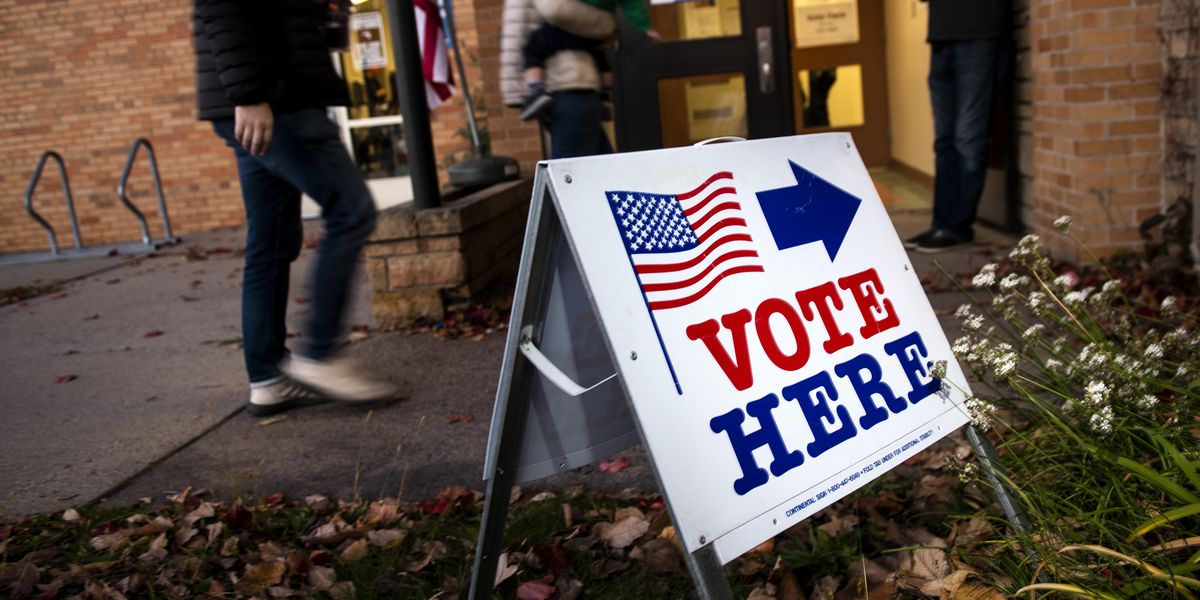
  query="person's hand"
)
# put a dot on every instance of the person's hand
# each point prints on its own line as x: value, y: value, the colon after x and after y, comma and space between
x: 654, y: 35
x: 252, y: 126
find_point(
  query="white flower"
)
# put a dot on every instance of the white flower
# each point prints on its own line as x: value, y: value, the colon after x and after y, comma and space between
x: 980, y: 413
x: 1154, y: 351
x: 961, y: 346
x: 974, y: 322
x: 938, y: 370
x: 1006, y: 364
x: 1076, y: 297
x: 1168, y: 303
x: 1013, y: 281
x: 1033, y: 331
x: 1063, y: 222
x: 1036, y: 299
x: 1147, y: 402
x: 1095, y: 394
x: 986, y: 276
x: 1026, y: 247
x: 962, y: 311
x: 1182, y: 371
x: 1067, y: 281
x: 1110, y: 286
x: 1053, y: 364
x: 1101, y: 421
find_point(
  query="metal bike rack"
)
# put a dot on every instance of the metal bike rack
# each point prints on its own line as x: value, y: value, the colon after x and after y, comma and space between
x: 168, y: 238
x: 66, y: 185
x: 79, y: 251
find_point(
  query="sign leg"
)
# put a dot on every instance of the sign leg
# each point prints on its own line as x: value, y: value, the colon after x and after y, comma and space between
x: 709, y: 574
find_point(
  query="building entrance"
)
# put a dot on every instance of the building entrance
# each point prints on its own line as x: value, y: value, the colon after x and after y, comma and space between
x: 755, y: 69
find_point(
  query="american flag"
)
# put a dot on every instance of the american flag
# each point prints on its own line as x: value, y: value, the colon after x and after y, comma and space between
x: 683, y: 245
x: 435, y: 63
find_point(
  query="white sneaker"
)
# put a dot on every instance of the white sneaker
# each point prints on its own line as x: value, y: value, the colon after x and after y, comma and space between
x: 278, y: 396
x: 339, y: 379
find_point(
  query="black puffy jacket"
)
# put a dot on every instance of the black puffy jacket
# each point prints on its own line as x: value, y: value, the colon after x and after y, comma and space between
x: 252, y: 51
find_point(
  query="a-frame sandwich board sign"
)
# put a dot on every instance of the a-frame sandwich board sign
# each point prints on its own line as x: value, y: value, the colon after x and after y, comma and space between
x: 746, y: 310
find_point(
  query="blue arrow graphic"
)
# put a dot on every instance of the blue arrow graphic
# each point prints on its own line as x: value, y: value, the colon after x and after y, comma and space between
x: 813, y: 210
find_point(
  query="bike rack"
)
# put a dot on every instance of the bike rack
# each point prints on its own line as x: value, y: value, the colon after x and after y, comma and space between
x: 169, y: 238
x: 66, y: 185
x: 79, y: 251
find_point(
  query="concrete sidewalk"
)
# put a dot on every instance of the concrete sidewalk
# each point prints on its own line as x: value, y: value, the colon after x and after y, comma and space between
x: 129, y: 384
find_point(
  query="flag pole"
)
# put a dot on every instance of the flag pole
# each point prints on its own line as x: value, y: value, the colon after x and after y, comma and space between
x: 410, y: 83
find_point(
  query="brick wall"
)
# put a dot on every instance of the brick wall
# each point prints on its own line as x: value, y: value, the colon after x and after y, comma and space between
x: 479, y: 37
x: 1096, y: 72
x: 86, y: 78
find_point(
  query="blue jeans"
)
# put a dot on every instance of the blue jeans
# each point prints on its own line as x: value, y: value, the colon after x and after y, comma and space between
x: 962, y: 83
x: 306, y: 155
x: 574, y: 124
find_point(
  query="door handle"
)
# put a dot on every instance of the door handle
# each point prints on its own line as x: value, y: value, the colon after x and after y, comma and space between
x: 766, y: 60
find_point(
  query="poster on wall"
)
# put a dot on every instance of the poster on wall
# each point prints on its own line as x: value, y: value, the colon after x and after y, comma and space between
x: 369, y: 49
x: 825, y: 22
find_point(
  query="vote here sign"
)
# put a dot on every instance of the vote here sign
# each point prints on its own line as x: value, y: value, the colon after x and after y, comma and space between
x: 775, y: 342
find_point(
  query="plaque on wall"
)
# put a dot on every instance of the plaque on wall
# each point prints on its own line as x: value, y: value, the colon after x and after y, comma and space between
x: 824, y: 22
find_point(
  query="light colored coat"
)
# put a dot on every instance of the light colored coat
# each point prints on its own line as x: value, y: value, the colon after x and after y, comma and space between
x: 565, y: 70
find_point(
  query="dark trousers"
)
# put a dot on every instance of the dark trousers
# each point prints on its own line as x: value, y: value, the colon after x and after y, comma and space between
x: 962, y: 85
x: 306, y: 155
x: 574, y: 124
x: 548, y: 39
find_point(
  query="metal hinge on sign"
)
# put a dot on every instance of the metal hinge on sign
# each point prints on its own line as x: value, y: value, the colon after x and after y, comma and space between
x: 549, y: 370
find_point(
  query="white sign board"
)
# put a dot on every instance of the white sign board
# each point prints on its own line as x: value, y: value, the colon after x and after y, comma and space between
x: 825, y: 22
x: 368, y: 47
x: 773, y: 339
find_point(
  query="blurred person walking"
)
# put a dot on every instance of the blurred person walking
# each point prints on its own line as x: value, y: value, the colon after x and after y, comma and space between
x: 264, y: 79
x: 970, y: 41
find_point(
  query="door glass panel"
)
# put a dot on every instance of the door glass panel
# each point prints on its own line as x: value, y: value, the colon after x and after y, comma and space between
x: 697, y: 20
x: 374, y: 124
x: 379, y: 150
x: 831, y: 97
x: 698, y: 108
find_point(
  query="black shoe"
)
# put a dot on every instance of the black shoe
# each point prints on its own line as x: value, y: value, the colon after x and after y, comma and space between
x: 940, y: 241
x: 534, y: 105
x: 914, y: 241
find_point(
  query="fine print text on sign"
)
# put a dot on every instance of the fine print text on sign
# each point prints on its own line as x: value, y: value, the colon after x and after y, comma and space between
x: 774, y: 341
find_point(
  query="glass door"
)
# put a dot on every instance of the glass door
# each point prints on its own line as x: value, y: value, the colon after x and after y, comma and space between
x: 372, y: 127
x: 720, y: 70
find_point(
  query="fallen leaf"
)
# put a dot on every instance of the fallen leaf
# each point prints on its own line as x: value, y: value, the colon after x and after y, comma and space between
x: 343, y: 590
x: 838, y: 524
x: 155, y: 527
x: 568, y: 589
x: 460, y: 418
x: 108, y: 541
x: 505, y: 570
x: 825, y: 589
x: 355, y: 551
x: 70, y: 515
x: 553, y: 557
x: 974, y: 591
x: 91, y: 317
x: 65, y: 378
x: 152, y: 333
x: 535, y: 590
x: 20, y: 578
x: 623, y: 533
x: 660, y: 556
x: 204, y: 511
x: 433, y: 550
x: 615, y: 465
x: 189, y: 298
x: 386, y: 538
x: 322, y: 578
x: 259, y: 576
x: 157, y: 550
x: 316, y: 502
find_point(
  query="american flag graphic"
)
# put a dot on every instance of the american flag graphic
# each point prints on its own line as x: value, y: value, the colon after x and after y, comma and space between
x: 683, y: 245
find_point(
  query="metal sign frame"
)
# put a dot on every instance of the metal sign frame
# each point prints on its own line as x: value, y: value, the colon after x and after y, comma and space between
x: 542, y: 234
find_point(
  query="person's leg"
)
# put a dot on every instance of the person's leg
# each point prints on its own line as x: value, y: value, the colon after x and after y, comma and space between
x: 273, y: 239
x: 943, y: 97
x: 541, y: 45
x: 975, y: 65
x: 307, y: 153
x: 574, y: 124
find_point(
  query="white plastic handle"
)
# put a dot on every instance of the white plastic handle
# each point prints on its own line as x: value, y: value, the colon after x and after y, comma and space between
x: 551, y: 372
x: 719, y: 140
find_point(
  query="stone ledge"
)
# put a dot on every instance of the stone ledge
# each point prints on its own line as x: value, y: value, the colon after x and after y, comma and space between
x: 419, y: 262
